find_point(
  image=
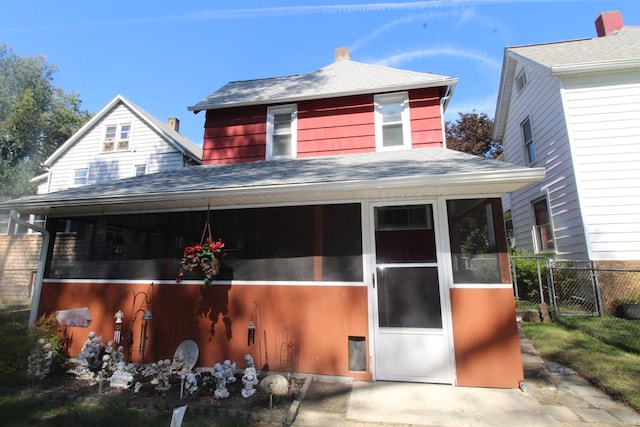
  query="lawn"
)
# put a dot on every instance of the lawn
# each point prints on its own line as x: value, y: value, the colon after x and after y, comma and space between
x: 610, y: 368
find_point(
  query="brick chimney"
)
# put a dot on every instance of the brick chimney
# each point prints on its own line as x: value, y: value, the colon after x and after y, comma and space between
x: 342, y: 54
x: 174, y: 123
x: 608, y: 23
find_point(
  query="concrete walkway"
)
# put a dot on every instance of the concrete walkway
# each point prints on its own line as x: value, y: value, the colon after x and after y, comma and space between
x: 554, y: 395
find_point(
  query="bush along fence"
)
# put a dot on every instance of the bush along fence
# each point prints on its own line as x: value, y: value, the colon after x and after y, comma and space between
x: 604, y: 302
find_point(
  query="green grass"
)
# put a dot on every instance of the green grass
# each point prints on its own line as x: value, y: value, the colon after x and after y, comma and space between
x: 612, y: 369
x: 622, y: 333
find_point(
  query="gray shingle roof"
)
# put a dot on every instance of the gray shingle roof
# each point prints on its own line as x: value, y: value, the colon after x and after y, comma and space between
x: 338, y: 79
x: 431, y: 169
x: 613, y: 50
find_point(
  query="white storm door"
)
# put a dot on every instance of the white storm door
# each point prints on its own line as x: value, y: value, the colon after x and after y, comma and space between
x: 411, y: 342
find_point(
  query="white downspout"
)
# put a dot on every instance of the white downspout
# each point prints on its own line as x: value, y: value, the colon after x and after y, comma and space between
x: 37, y: 289
x: 443, y: 101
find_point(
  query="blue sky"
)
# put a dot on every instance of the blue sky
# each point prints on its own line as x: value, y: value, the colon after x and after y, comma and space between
x: 167, y: 55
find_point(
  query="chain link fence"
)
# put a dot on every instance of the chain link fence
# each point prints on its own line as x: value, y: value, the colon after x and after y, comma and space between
x: 603, y: 302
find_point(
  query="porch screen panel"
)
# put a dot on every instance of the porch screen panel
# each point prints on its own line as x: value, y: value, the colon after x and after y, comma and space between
x: 473, y: 237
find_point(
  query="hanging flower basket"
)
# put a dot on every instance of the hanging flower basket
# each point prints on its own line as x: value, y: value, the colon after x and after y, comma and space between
x: 204, y: 256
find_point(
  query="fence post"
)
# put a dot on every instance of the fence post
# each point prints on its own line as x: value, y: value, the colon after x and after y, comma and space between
x: 540, y: 281
x: 596, y: 288
x: 552, y: 290
x: 514, y: 277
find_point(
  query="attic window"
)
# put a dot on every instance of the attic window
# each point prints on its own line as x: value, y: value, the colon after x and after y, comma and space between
x: 521, y: 80
x: 116, y: 138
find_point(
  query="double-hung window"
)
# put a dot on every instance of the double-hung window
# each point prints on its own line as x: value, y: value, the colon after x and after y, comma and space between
x: 527, y: 139
x: 80, y: 177
x: 393, y: 130
x: 282, y: 128
x: 117, y: 138
x: 542, y: 230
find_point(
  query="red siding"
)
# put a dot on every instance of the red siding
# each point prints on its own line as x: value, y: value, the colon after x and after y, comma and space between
x: 485, y: 334
x: 325, y: 127
x: 426, y: 122
x: 235, y: 135
x: 217, y: 318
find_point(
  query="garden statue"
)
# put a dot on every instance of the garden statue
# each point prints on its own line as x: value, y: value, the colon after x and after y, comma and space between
x: 221, y: 382
x: 164, y: 372
x: 248, y: 361
x: 228, y: 371
x: 39, y: 361
x: 121, y: 377
x: 112, y: 353
x: 90, y: 354
x: 119, y: 356
x: 191, y: 383
x: 137, y: 386
x: 249, y: 381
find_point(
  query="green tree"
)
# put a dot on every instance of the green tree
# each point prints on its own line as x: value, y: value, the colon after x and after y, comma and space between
x: 35, y: 119
x: 472, y: 133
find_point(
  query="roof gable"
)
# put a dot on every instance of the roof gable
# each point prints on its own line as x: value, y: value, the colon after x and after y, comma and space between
x: 341, y: 78
x: 170, y: 136
x: 614, y: 52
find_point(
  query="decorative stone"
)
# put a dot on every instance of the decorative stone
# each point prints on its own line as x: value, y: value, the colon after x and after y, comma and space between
x: 185, y: 357
x: 275, y: 384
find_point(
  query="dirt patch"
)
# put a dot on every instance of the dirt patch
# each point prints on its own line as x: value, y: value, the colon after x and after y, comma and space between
x: 68, y: 387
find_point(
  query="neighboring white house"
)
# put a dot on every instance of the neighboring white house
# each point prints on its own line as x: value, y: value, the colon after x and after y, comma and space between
x: 573, y: 107
x: 120, y: 141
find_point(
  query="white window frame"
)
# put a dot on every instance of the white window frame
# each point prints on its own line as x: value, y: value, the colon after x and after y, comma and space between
x: 142, y: 167
x: 271, y: 113
x: 529, y: 146
x: 540, y: 246
x: 391, y: 98
x: 5, y: 222
x: 74, y: 176
x: 119, y: 140
x: 39, y: 220
x: 522, y: 79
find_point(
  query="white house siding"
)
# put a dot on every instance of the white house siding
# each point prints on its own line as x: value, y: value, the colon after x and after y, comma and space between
x: 541, y: 101
x: 603, y: 115
x: 146, y: 147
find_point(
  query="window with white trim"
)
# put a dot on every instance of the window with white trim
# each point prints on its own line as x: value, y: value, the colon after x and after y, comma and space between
x: 140, y: 170
x: 38, y: 220
x: 282, y: 126
x: 542, y: 229
x: 80, y: 177
x: 393, y: 130
x: 527, y: 139
x: 117, y: 138
x: 4, y: 222
x: 521, y: 80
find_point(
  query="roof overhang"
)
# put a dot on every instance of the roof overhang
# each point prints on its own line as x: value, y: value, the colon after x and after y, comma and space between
x: 474, y: 183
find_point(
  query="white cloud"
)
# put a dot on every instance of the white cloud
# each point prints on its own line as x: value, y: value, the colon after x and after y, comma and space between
x: 396, y: 60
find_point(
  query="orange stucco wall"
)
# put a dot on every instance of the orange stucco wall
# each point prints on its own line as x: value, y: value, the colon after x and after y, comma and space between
x: 314, y: 322
x: 487, y: 348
